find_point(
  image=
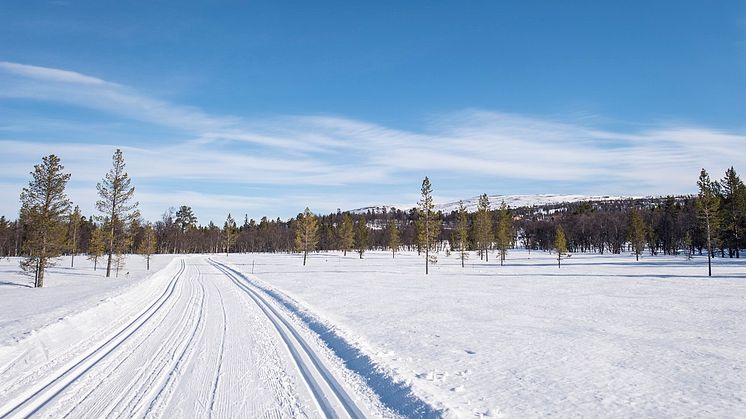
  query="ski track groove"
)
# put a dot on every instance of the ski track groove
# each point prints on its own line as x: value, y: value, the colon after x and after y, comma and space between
x: 277, y: 320
x: 214, y: 390
x: 39, y: 398
x: 122, y: 359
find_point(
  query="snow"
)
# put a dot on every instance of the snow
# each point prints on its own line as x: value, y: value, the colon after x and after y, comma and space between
x: 513, y: 201
x: 602, y: 336
x: 200, y: 335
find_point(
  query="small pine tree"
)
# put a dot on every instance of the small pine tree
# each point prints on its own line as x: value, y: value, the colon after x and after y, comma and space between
x: 306, y: 233
x: 346, y: 234
x: 637, y: 229
x: 147, y: 244
x: 430, y: 228
x: 461, y: 234
x: 483, y: 227
x: 97, y: 246
x: 361, y: 236
x: 229, y: 233
x: 504, y: 236
x: 560, y: 244
x: 73, y: 229
x: 688, y: 245
x: 708, y: 204
x: 393, y: 238
x: 44, y: 206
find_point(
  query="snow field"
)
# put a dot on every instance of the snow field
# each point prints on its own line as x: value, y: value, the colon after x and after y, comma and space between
x: 602, y: 336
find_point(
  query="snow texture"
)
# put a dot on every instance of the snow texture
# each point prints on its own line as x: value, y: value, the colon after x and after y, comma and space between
x: 205, y: 336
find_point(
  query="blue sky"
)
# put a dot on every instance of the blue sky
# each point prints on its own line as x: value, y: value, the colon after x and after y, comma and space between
x: 267, y: 107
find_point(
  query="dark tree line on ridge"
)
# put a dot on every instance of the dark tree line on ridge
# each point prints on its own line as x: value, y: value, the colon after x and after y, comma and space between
x: 49, y: 227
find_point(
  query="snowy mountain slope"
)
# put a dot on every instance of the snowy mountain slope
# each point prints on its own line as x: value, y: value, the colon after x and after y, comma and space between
x: 513, y: 201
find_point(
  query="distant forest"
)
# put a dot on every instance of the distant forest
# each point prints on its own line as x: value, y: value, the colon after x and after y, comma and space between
x: 665, y: 225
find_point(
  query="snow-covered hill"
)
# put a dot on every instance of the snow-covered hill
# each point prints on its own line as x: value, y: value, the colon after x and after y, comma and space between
x: 513, y: 201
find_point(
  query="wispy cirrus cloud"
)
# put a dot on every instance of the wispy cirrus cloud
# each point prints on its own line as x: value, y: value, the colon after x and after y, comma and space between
x: 469, y: 151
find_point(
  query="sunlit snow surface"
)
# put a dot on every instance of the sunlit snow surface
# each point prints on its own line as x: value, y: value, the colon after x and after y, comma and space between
x: 601, y: 336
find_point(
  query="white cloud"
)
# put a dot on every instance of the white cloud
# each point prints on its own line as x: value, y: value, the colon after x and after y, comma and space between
x: 486, y: 149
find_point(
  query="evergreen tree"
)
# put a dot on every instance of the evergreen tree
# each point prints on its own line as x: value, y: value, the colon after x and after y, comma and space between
x: 97, y: 246
x: 361, y: 236
x: 393, y: 238
x: 116, y: 204
x: 708, y: 204
x: 148, y: 244
x: 504, y: 236
x: 346, y: 234
x: 560, y: 244
x: 637, y: 231
x: 461, y: 234
x: 306, y: 233
x: 428, y: 221
x: 483, y: 227
x: 229, y: 233
x: 74, y: 230
x: 734, y: 210
x: 44, y: 206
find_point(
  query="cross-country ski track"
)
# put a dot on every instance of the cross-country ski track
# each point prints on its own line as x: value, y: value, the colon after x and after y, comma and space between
x: 200, y: 340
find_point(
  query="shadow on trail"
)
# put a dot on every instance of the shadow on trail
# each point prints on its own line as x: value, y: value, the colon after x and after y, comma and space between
x: 15, y: 284
x: 395, y: 396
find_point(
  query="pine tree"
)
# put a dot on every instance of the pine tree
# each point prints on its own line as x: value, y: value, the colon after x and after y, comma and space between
x: 229, y: 233
x: 560, y: 244
x: 430, y: 229
x: 504, y: 236
x: 361, y: 236
x: 116, y: 204
x: 637, y: 230
x: 44, y: 206
x: 688, y: 245
x: 97, y: 246
x: 186, y: 221
x: 147, y: 244
x: 73, y: 228
x: 393, y: 238
x: 346, y: 234
x: 483, y: 227
x: 461, y: 234
x: 708, y: 204
x: 306, y: 233
x: 734, y: 210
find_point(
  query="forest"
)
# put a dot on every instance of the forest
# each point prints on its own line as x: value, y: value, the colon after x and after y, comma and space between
x: 49, y: 226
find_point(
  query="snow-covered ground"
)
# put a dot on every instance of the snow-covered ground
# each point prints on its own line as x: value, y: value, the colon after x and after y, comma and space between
x: 602, y: 336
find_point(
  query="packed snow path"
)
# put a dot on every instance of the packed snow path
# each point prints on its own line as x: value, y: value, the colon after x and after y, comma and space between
x: 205, y: 344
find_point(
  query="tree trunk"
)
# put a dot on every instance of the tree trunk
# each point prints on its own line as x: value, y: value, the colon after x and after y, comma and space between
x: 709, y: 249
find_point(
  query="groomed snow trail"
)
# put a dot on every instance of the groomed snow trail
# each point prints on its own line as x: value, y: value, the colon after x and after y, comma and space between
x: 204, y: 344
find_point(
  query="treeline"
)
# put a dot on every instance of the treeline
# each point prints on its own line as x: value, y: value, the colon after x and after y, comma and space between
x: 711, y: 222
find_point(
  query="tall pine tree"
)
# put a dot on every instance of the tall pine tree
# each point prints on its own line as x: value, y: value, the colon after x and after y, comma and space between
x: 117, y: 206
x: 393, y: 238
x: 504, y: 236
x: 637, y: 231
x: 361, y: 236
x: 346, y: 234
x: 560, y: 244
x: 430, y: 228
x: 461, y: 234
x: 733, y: 211
x: 708, y: 204
x: 44, y: 206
